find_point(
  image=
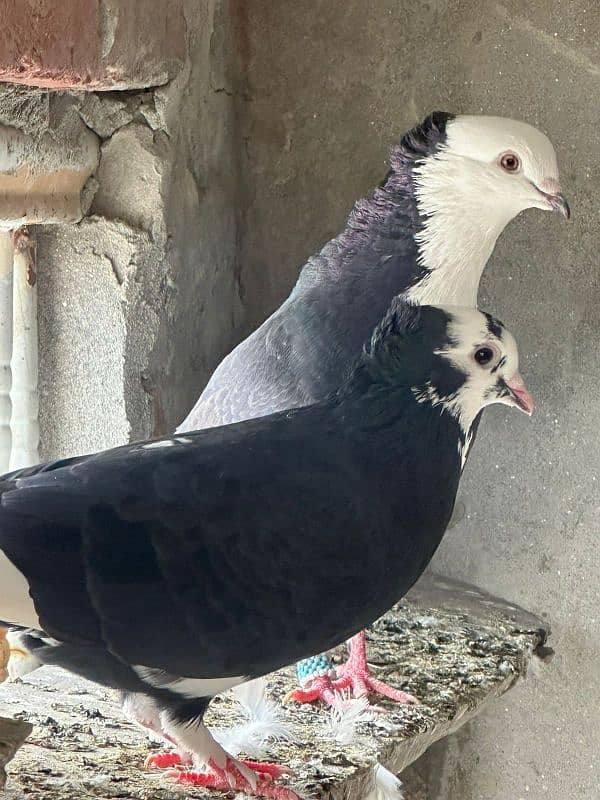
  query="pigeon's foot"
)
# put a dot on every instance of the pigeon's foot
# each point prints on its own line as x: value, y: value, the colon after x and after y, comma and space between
x: 355, y: 675
x: 165, y: 759
x: 251, y: 777
x: 354, y: 679
x: 222, y: 771
x: 321, y: 688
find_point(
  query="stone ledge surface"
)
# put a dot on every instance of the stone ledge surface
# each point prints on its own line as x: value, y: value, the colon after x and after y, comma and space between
x: 91, y: 44
x: 448, y: 643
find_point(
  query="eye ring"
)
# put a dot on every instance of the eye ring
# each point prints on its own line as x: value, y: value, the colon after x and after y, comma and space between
x: 484, y: 355
x: 510, y: 162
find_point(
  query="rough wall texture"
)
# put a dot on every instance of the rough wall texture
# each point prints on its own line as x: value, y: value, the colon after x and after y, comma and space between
x: 330, y: 86
x: 142, y: 295
x: 44, y: 164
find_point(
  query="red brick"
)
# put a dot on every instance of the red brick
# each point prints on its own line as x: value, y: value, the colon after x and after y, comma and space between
x: 91, y: 44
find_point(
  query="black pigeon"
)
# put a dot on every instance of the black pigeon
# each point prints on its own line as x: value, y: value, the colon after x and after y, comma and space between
x: 230, y: 540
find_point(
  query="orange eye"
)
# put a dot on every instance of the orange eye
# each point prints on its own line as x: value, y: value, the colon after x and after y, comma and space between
x: 510, y: 162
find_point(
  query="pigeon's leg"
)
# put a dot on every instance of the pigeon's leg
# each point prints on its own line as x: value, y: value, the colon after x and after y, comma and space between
x: 355, y: 673
x: 354, y: 677
x: 217, y: 769
x: 144, y: 711
x: 315, y: 676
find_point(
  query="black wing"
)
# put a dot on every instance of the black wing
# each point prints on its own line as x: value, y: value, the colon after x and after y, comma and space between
x: 199, y: 543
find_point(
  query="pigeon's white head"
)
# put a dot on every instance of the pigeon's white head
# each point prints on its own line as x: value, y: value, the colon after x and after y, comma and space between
x: 507, y: 164
x: 475, y: 175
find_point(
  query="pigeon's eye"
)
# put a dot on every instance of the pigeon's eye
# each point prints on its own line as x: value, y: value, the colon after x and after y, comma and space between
x: 510, y: 162
x: 483, y: 355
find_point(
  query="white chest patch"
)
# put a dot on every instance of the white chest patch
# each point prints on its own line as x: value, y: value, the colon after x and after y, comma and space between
x: 16, y: 605
x: 187, y: 687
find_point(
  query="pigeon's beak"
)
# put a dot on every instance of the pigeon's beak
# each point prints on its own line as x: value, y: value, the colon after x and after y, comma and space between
x: 559, y: 202
x: 517, y: 394
x: 555, y: 199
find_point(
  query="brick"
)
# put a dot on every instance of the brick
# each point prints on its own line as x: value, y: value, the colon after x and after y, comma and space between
x: 91, y: 44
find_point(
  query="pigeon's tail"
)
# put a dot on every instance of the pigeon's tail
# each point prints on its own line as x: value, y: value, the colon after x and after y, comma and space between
x: 40, y: 548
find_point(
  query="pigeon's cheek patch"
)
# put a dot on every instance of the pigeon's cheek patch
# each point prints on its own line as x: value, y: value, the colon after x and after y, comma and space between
x: 16, y: 605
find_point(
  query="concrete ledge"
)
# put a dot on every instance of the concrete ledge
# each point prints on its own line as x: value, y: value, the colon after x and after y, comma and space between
x: 13, y: 733
x: 91, y: 44
x: 448, y: 643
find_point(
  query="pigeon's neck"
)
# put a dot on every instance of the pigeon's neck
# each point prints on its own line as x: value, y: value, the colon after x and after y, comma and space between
x: 454, y: 248
x: 373, y: 400
x: 391, y: 428
x: 413, y: 236
x: 458, y: 231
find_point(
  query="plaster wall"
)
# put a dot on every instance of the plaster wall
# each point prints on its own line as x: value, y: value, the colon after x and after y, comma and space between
x: 142, y: 295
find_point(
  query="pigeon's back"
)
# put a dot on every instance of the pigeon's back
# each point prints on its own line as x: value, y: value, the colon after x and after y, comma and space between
x: 304, y: 350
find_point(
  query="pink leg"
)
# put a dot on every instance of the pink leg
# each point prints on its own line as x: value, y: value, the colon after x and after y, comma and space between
x: 357, y: 671
x: 230, y: 777
x: 354, y: 675
x: 165, y: 759
x: 223, y: 772
x: 263, y: 767
x: 171, y: 758
x: 321, y: 688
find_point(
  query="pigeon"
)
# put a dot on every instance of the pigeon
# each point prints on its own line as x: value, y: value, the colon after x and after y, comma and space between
x: 426, y: 233
x: 231, y: 539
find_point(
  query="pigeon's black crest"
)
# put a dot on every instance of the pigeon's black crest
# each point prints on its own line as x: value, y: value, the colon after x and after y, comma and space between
x: 425, y: 326
x: 395, y: 191
x: 422, y: 140
x: 402, y: 319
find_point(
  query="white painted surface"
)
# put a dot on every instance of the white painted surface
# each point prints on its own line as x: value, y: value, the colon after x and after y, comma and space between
x: 24, y: 397
x: 6, y: 332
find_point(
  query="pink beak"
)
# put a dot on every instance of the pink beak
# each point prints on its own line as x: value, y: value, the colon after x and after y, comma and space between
x: 519, y: 394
